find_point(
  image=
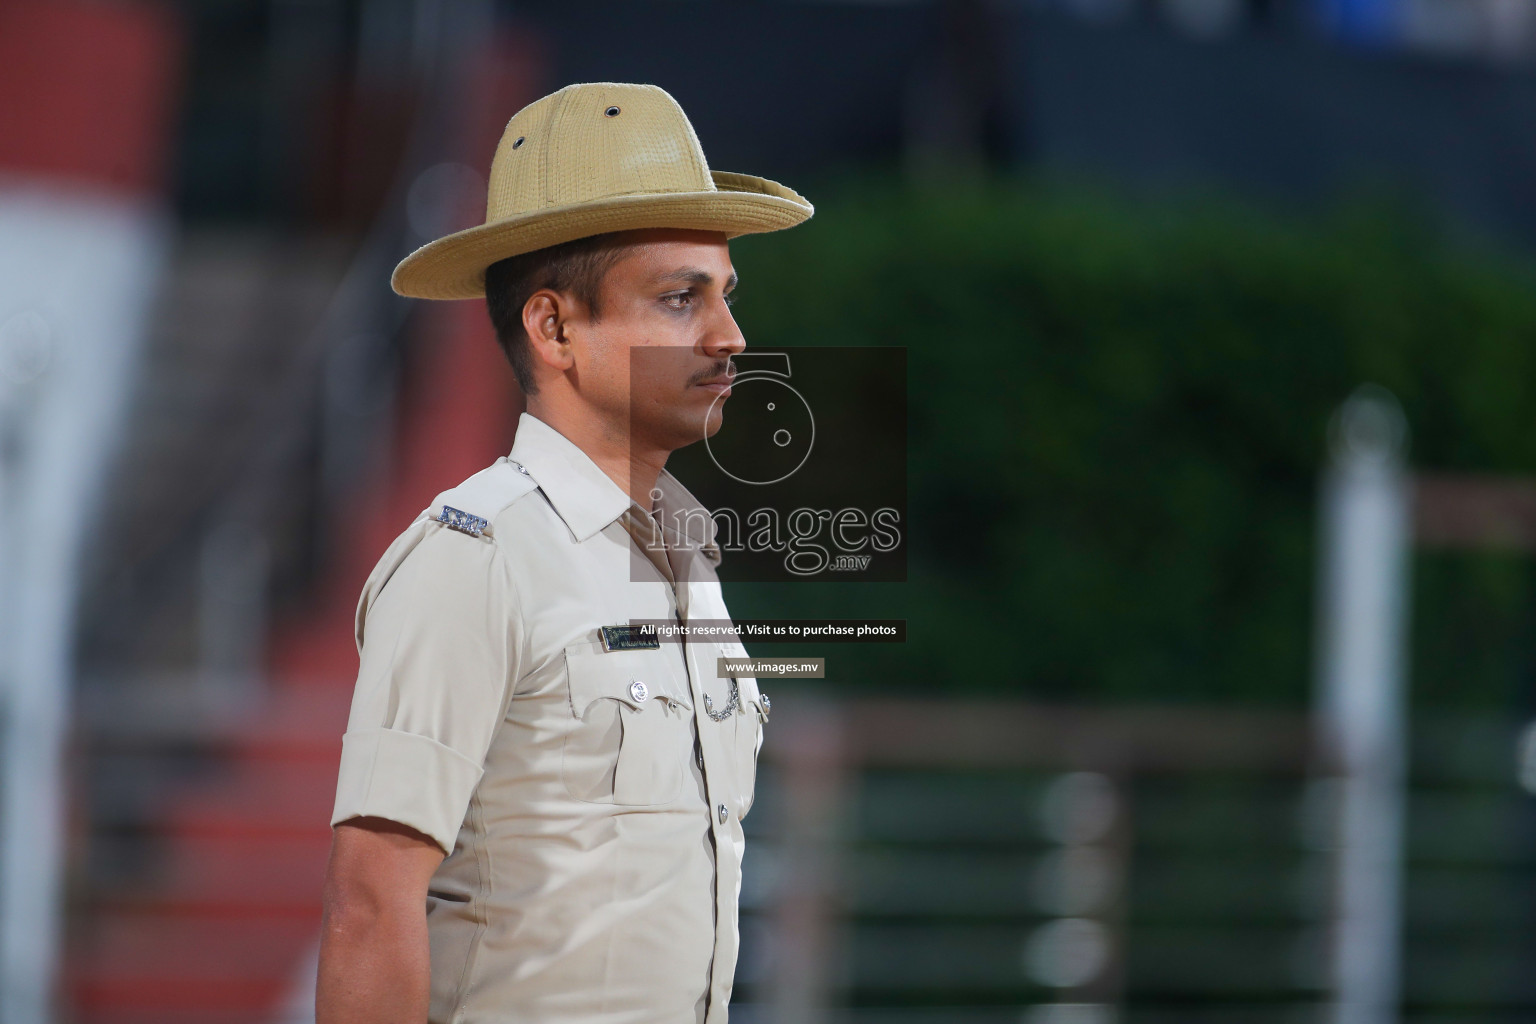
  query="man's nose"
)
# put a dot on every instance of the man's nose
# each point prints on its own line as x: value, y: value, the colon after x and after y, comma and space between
x: 726, y: 338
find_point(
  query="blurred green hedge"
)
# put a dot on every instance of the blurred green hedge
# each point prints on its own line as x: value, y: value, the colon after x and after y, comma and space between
x: 1117, y: 421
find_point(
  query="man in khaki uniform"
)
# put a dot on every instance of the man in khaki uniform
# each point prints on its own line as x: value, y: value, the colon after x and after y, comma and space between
x: 538, y: 815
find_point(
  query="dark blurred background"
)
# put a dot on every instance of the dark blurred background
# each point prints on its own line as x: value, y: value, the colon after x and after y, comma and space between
x: 1139, y: 253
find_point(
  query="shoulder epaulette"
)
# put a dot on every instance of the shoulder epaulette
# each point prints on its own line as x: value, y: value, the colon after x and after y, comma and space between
x: 473, y: 505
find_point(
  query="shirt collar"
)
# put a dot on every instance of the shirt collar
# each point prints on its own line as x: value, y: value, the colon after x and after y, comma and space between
x: 686, y: 521
x: 587, y: 499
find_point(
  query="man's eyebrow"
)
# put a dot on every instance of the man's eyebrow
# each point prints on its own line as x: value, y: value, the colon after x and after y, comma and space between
x: 695, y: 276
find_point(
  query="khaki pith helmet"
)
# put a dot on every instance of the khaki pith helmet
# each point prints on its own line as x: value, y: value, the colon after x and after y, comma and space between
x: 588, y: 159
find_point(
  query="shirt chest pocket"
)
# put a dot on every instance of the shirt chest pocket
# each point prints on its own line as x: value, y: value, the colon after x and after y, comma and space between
x: 631, y: 735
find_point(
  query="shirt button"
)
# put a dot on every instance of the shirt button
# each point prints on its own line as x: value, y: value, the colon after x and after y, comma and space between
x: 723, y: 813
x: 638, y: 691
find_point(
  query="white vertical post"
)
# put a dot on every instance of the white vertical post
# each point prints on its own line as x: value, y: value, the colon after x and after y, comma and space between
x: 811, y: 750
x: 77, y: 275
x: 1361, y: 700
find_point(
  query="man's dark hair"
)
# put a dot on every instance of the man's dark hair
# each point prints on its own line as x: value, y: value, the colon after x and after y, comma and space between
x: 576, y: 267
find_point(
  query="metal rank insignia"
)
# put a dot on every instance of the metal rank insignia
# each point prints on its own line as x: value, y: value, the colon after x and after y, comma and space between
x: 462, y: 521
x: 630, y: 638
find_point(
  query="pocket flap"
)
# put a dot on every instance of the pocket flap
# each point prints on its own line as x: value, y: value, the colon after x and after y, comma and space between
x: 636, y: 678
x: 759, y: 701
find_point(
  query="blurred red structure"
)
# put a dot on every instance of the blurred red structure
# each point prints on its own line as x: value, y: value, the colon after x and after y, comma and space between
x: 228, y: 935
x: 85, y: 92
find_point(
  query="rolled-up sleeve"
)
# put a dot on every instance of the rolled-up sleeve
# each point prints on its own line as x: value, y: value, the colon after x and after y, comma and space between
x: 437, y: 651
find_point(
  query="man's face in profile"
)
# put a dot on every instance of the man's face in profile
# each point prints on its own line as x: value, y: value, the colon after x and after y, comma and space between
x: 662, y: 348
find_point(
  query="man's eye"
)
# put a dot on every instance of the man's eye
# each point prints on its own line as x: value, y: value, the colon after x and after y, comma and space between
x: 678, y: 301
x: 730, y: 298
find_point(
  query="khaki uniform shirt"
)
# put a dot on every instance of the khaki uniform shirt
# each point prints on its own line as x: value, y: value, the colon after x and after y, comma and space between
x: 590, y: 801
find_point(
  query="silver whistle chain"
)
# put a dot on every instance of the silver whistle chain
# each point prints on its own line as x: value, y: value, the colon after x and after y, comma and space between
x: 735, y: 702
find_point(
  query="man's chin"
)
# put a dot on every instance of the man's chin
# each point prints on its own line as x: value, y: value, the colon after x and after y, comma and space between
x: 709, y: 425
x: 714, y: 419
x: 693, y: 425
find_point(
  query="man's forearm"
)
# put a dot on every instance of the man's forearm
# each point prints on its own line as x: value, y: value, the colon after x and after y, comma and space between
x: 374, y: 967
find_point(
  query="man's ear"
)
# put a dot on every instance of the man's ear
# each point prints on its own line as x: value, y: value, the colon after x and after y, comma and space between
x: 546, y: 316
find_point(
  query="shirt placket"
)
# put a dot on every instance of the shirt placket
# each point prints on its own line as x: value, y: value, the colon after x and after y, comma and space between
x: 674, y: 561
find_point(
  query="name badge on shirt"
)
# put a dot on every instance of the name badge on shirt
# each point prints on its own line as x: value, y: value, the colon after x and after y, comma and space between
x: 630, y: 638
